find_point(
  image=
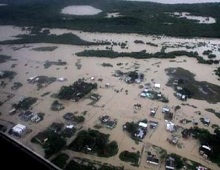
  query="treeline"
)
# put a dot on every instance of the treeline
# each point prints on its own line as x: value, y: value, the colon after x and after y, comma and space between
x: 138, y: 55
x: 136, y: 17
x: 66, y: 38
x: 144, y: 55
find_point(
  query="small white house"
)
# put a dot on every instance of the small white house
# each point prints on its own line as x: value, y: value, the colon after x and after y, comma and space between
x: 69, y: 126
x: 107, y: 84
x: 19, y: 128
x: 206, y: 121
x: 143, y: 94
x: 170, y: 126
x: 92, y: 78
x: 165, y: 109
x: 2, y: 73
x: 12, y: 111
x: 61, y: 79
x: 157, y: 85
x: 142, y: 124
x: 30, y: 79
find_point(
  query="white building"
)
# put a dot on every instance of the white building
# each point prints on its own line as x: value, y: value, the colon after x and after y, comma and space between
x: 142, y: 124
x: 19, y: 129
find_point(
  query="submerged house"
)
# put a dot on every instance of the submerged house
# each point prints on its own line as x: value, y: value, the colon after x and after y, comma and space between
x: 95, y: 96
x: 173, y: 139
x: 152, y: 160
x: 165, y: 109
x: 152, y: 112
x: 36, y: 118
x: 19, y: 129
x: 104, y: 118
x: 153, y: 124
x: 205, y: 150
x: 42, y: 137
x: 206, y: 121
x: 141, y: 131
x: 68, y: 116
x: 181, y: 96
x: 171, y: 127
x: 110, y: 124
x: 27, y: 115
x: 170, y: 163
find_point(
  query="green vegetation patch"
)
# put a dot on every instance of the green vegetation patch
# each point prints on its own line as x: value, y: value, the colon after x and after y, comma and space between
x: 56, y: 106
x: 76, y: 91
x: 82, y: 164
x: 144, y: 55
x: 48, y: 63
x: 132, y: 157
x: 79, y: 119
x: 138, y: 55
x: 60, y: 160
x: 217, y: 72
x: 4, y: 58
x: 212, y: 140
x: 25, y: 103
x: 66, y: 38
x: 7, y: 74
x: 107, y: 65
x: 178, y: 160
x: 200, y: 90
x: 94, y: 142
x: 136, y: 17
x: 42, y: 81
x: 49, y: 48
x: 16, y: 85
x: 51, y: 142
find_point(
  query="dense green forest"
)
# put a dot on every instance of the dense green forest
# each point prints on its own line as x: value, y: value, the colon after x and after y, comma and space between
x: 137, y: 17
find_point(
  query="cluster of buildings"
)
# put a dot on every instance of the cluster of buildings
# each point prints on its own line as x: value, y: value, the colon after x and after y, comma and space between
x: 154, y: 93
x: 130, y: 77
x: 169, y: 162
x: 179, y: 91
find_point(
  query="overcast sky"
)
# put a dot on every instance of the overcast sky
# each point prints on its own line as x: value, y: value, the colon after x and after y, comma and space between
x: 179, y: 1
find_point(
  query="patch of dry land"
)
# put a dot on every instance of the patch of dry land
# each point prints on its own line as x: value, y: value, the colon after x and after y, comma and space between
x: 117, y: 96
